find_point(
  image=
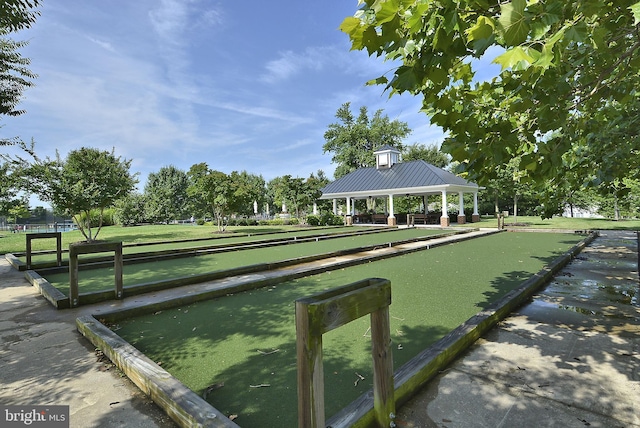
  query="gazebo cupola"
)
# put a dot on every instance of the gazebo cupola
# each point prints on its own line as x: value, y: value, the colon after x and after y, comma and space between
x: 386, y: 157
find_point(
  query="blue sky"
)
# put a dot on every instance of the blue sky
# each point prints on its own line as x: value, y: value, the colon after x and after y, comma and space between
x: 242, y: 85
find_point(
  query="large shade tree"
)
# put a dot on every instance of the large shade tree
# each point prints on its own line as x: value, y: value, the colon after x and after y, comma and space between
x: 18, y: 14
x: 165, y: 194
x: 211, y: 193
x: 87, y: 179
x: 353, y: 140
x: 248, y: 191
x: 130, y: 210
x: 8, y: 190
x: 566, y: 98
x: 15, y: 76
x: 428, y: 153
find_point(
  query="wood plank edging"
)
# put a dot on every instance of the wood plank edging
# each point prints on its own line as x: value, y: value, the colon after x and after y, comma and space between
x: 54, y: 296
x: 184, y: 406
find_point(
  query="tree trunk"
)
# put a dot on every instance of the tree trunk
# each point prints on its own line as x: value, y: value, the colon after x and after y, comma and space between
x: 497, y: 209
x: 515, y: 208
x: 616, y: 209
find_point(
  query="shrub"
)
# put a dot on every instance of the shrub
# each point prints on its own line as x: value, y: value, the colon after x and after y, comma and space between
x: 94, y: 218
x: 129, y: 210
x: 330, y: 219
x: 313, y: 220
x: 279, y: 222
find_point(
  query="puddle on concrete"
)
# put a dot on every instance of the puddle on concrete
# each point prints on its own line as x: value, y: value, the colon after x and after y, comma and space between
x: 538, y: 304
x: 621, y: 294
x: 580, y: 310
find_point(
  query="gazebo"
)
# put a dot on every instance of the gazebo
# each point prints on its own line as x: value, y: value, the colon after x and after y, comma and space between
x: 391, y: 178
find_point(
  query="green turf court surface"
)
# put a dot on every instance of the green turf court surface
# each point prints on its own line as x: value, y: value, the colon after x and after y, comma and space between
x: 102, y: 279
x: 247, y: 340
x: 216, y: 240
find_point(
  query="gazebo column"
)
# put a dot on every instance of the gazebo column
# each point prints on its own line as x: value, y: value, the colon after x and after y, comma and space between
x: 444, y: 220
x: 475, y: 217
x: 462, y: 219
x: 335, y: 206
x: 349, y: 218
x: 315, y: 208
x: 391, y: 220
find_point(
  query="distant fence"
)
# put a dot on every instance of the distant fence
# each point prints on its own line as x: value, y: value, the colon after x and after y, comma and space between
x: 38, y: 227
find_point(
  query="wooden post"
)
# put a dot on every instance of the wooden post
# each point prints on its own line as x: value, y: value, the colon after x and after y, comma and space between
x: 73, y: 278
x: 44, y: 235
x: 90, y: 248
x: 117, y: 268
x: 323, y: 312
x: 28, y: 250
x: 310, y: 373
x: 59, y: 248
x: 383, y: 398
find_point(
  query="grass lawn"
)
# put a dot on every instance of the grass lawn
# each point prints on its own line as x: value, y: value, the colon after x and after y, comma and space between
x: 15, y: 242
x: 102, y: 279
x: 247, y: 340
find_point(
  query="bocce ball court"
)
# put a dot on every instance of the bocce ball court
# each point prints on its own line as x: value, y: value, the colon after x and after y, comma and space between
x: 238, y: 351
x: 43, y: 259
x: 96, y: 284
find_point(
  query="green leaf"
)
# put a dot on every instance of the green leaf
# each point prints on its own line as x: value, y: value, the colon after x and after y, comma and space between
x: 442, y: 40
x: 450, y: 20
x: 482, y: 29
x: 513, y: 57
x: 463, y: 72
x: 369, y: 40
x: 513, y: 22
x: 378, y: 81
x: 387, y: 11
x: 552, y: 13
x: 546, y: 57
x: 539, y: 30
x: 577, y: 33
x: 437, y: 75
x: 417, y: 18
x: 635, y: 10
x: 404, y: 80
x: 350, y: 25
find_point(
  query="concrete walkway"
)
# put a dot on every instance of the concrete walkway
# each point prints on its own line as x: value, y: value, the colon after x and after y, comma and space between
x: 571, y: 358
x: 45, y: 361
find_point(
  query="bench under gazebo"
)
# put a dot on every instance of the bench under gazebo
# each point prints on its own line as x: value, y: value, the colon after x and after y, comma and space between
x: 391, y: 178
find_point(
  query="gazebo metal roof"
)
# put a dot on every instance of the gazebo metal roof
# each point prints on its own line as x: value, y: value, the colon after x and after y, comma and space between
x: 403, y: 178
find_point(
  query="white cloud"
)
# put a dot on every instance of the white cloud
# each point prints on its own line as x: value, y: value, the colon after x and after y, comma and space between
x: 329, y: 59
x: 262, y: 112
x: 290, y: 63
x: 103, y: 44
x: 169, y: 20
